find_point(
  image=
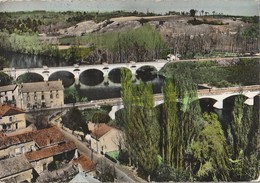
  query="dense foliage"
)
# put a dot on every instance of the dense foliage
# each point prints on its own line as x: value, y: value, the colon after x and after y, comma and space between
x: 75, y: 121
x: 193, y: 146
x: 239, y: 72
x: 141, y: 44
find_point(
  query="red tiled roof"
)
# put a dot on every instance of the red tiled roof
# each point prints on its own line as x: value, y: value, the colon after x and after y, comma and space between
x: 48, y: 136
x: 98, y: 130
x: 7, y: 110
x: 42, y: 138
x: 8, y: 141
x: 85, y: 163
x: 50, y: 151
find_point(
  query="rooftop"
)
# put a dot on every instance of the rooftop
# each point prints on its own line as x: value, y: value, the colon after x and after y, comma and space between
x: 50, y: 151
x: 13, y: 166
x: 42, y: 86
x: 98, y: 130
x: 7, y: 110
x: 42, y: 138
x: 85, y: 163
x: 7, y: 88
x: 82, y: 177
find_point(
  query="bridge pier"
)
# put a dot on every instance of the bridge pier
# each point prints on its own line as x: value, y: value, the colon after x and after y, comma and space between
x: 250, y: 95
x: 249, y: 101
x: 218, y: 104
x: 112, y: 113
x: 106, y: 80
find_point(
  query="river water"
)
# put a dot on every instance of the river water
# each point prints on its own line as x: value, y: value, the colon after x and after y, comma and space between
x: 231, y: 7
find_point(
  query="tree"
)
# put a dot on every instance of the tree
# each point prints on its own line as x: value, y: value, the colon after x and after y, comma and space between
x: 243, y: 141
x: 165, y: 173
x: 3, y: 63
x: 202, y: 12
x: 170, y: 132
x: 240, y: 125
x: 40, y: 119
x: 210, y: 151
x: 192, y: 12
x: 74, y: 120
x: 141, y: 127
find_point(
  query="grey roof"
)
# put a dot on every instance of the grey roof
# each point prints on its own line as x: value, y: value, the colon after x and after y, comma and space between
x: 12, y: 166
x: 7, y: 88
x: 41, y: 86
x: 82, y: 177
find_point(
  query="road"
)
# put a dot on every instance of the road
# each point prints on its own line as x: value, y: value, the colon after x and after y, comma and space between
x: 122, y: 173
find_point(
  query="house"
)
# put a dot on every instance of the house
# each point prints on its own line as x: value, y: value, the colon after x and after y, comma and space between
x: 85, y: 164
x: 171, y: 57
x: 16, y: 145
x: 8, y: 94
x: 16, y: 169
x: 11, y: 118
x: 11, y: 146
x: 104, y: 138
x: 40, y: 159
x: 40, y: 148
x: 36, y: 95
x: 48, y: 94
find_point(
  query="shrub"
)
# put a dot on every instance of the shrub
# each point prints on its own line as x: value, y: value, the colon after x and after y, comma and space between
x: 100, y: 117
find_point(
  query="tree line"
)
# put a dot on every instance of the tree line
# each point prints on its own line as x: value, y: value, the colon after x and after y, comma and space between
x: 176, y: 142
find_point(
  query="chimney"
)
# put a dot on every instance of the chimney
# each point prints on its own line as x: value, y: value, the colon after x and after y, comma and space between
x: 48, y: 141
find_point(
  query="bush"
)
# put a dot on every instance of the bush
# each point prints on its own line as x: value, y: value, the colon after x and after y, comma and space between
x: 166, y: 173
x: 100, y: 117
x: 123, y: 157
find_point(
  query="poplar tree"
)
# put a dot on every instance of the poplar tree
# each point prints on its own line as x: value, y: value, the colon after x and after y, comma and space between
x: 210, y: 151
x: 141, y: 127
x: 170, y: 132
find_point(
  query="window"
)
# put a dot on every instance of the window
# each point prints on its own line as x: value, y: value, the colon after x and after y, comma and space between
x: 10, y: 119
x: 51, y: 96
x: 44, y: 166
x: 13, y: 99
x: 28, y: 97
x: 42, y: 97
x: 57, y: 95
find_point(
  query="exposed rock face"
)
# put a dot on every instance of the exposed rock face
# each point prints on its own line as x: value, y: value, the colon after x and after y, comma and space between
x: 121, y: 26
x: 82, y: 28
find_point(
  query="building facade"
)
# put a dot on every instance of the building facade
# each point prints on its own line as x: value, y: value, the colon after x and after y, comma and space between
x: 38, y: 95
x: 8, y: 94
x: 11, y: 118
x: 104, y: 138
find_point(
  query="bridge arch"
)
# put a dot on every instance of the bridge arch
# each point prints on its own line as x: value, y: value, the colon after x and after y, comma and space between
x: 91, y: 77
x: 146, y: 73
x: 115, y: 74
x: 29, y: 77
x: 66, y: 77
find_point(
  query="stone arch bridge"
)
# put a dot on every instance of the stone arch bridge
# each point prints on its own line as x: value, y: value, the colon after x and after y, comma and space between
x: 77, y: 70
x: 217, y: 94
